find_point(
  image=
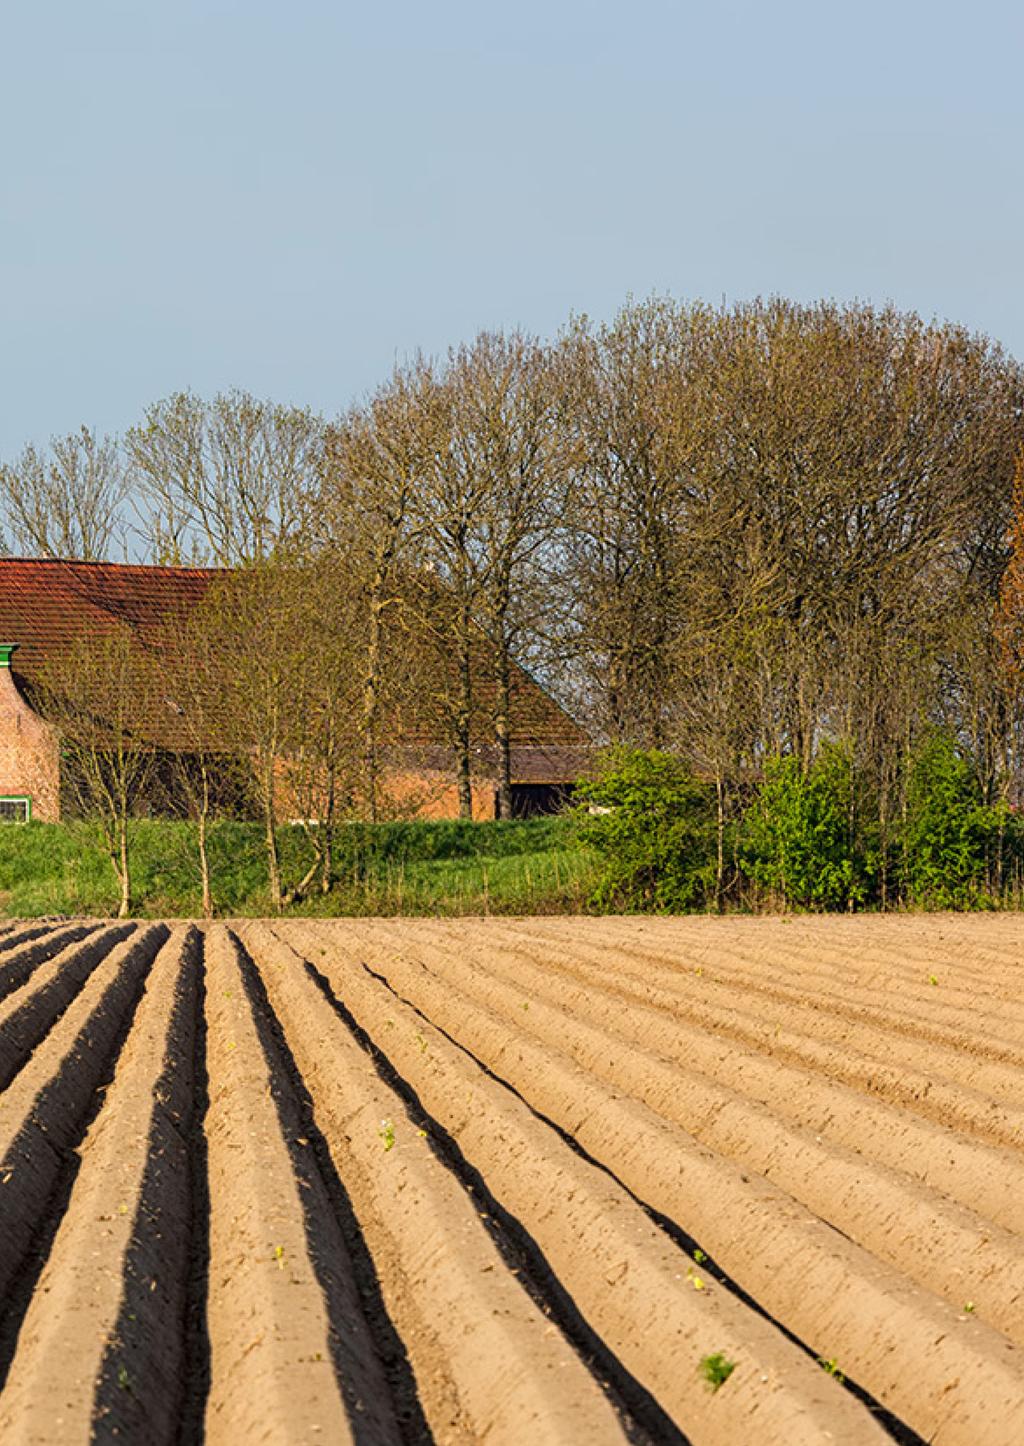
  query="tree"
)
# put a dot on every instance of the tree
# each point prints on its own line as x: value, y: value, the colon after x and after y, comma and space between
x: 247, y: 615
x: 625, y: 386
x: 188, y: 707
x: 95, y: 695
x: 372, y: 463
x: 515, y: 450
x: 230, y: 481
x: 322, y: 773
x: 67, y: 501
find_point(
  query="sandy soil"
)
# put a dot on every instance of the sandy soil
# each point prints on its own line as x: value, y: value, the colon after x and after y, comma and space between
x: 513, y: 1181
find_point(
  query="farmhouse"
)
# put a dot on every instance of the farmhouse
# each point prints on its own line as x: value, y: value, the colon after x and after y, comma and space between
x: 46, y: 604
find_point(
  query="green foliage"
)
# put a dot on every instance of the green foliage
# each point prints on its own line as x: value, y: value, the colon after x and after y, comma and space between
x: 716, y: 1370
x: 949, y: 831
x: 651, y: 822
x: 797, y: 839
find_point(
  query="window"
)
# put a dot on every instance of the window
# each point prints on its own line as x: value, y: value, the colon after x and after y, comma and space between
x: 15, y: 808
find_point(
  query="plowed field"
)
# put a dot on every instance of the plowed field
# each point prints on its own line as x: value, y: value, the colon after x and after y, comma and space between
x: 514, y: 1181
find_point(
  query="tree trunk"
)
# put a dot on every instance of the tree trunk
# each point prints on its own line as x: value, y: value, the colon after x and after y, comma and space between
x: 720, y: 844
x: 463, y: 718
x: 124, y: 908
x: 503, y: 731
x: 269, y: 820
x: 463, y: 775
x: 204, y: 867
x: 371, y: 688
x: 327, y: 853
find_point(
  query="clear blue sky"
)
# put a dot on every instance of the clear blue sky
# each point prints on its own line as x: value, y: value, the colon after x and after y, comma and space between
x: 289, y: 196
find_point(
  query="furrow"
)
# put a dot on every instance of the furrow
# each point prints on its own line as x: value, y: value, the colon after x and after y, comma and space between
x: 490, y: 1364
x: 102, y: 1350
x: 966, y: 1378
x: 23, y: 934
x: 985, y: 1180
x: 636, y: 1289
x: 908, y: 949
x: 879, y: 1054
x: 17, y: 967
x: 45, y: 1112
x: 910, y: 1082
x: 942, y: 1246
x: 291, y: 1357
x: 27, y: 1015
x: 924, y: 1010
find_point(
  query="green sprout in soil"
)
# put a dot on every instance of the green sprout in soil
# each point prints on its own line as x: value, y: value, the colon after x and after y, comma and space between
x: 832, y: 1368
x: 699, y: 1256
x: 716, y: 1370
x: 123, y: 1379
x: 387, y: 1134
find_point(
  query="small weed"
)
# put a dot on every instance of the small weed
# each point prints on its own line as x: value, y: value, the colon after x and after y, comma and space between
x: 279, y: 1256
x: 716, y: 1370
x: 699, y: 1257
x: 969, y: 1307
x: 831, y: 1367
x: 387, y: 1133
x: 932, y: 979
x: 123, y: 1378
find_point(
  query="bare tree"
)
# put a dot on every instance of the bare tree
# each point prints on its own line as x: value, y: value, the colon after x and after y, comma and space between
x: 95, y: 696
x: 230, y: 481
x: 323, y: 773
x: 373, y: 461
x: 66, y: 501
x: 247, y: 615
x: 188, y: 707
x: 513, y: 450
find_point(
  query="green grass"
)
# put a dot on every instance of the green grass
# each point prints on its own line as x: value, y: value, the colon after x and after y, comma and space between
x: 447, y: 867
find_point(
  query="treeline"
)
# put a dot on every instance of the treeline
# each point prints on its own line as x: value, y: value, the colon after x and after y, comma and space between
x: 746, y: 537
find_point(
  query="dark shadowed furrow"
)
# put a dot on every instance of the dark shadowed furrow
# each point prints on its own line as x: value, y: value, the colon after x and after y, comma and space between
x: 44, y: 1116
x: 159, y: 1337
x: 17, y: 966
x: 30, y: 1013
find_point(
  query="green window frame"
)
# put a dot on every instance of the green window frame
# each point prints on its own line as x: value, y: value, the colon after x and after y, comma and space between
x: 9, y: 805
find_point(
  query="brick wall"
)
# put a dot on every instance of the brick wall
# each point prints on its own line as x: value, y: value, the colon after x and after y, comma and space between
x: 29, y: 760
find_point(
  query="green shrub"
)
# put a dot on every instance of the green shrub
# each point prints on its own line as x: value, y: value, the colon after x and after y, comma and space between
x: 949, y: 830
x: 656, y: 839
x: 798, y: 842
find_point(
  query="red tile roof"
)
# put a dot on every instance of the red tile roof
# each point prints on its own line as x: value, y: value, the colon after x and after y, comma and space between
x: 45, y: 604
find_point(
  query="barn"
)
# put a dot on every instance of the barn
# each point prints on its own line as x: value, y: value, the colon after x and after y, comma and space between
x: 46, y: 604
